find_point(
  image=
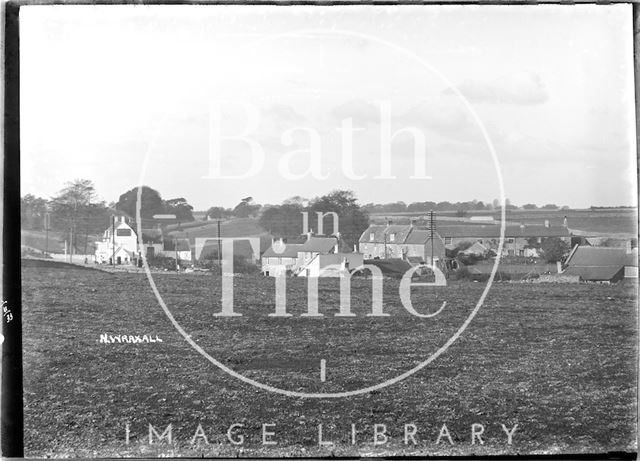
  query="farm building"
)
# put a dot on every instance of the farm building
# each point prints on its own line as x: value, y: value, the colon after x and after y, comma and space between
x: 516, y: 239
x: 477, y: 249
x: 119, y: 244
x: 316, y: 257
x: 400, y: 242
x: 602, y: 264
x: 177, y: 247
x: 280, y: 258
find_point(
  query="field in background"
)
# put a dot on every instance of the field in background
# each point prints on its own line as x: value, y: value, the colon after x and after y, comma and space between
x: 558, y: 360
x: 37, y: 240
x: 604, y: 221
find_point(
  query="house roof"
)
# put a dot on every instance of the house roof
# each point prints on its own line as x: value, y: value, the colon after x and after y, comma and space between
x: 593, y: 272
x: 421, y: 236
x: 402, y: 234
x: 601, y: 256
x: 477, y: 247
x: 493, y: 231
x: 599, y: 263
x: 151, y: 235
x: 413, y: 234
x: 289, y: 250
x: 181, y: 244
x: 121, y: 249
x: 319, y: 244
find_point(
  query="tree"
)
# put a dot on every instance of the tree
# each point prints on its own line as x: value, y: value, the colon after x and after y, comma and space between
x: 217, y: 212
x: 554, y: 249
x: 421, y: 206
x: 180, y: 208
x: 246, y: 208
x: 151, y: 203
x: 77, y: 211
x: 296, y: 200
x: 32, y: 212
x: 530, y: 206
x: 532, y: 242
x: 353, y: 220
x: 550, y: 206
x: 282, y: 220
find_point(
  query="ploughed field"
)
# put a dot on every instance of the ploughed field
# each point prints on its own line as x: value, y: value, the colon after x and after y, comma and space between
x: 557, y: 360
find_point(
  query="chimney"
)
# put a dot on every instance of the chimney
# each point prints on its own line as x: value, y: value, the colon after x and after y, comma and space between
x: 629, y: 247
x: 565, y: 223
x: 412, y: 222
x: 336, y: 248
x: 309, y: 235
x: 546, y: 223
x: 389, y: 222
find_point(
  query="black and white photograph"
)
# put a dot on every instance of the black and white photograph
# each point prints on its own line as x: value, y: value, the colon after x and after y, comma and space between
x: 324, y: 230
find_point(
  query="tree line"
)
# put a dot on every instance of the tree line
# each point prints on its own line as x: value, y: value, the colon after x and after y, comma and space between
x: 460, y: 207
x: 77, y: 212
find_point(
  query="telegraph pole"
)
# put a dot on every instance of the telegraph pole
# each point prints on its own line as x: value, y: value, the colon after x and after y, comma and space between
x: 175, y: 248
x: 432, y: 228
x: 47, y: 221
x: 219, y: 246
x: 113, y: 240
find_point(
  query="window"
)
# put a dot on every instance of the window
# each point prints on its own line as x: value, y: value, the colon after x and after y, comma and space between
x: 448, y: 240
x: 123, y: 232
x: 509, y: 240
x: 392, y: 237
x: 372, y: 237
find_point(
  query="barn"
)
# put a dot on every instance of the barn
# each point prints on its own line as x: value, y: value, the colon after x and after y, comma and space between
x: 602, y: 264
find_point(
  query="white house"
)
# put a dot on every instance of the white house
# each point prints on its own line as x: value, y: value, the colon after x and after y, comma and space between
x: 280, y: 258
x: 119, y: 247
x: 317, y: 257
x: 331, y: 265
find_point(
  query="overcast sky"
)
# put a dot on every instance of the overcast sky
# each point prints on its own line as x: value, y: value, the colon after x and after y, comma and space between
x: 104, y: 86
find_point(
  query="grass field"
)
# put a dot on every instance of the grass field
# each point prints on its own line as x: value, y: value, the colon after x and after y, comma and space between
x: 558, y: 360
x: 610, y: 221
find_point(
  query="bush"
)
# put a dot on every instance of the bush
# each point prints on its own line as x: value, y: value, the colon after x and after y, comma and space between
x: 240, y: 265
x: 461, y: 274
x: 162, y: 263
x: 469, y: 260
x: 243, y: 266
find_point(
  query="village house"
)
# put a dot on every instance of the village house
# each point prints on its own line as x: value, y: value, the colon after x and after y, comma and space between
x: 119, y: 244
x: 316, y: 257
x: 280, y: 258
x: 516, y: 240
x: 179, y: 248
x: 602, y: 264
x: 477, y: 249
x: 406, y: 242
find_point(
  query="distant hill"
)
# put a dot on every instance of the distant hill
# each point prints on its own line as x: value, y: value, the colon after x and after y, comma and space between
x: 235, y: 227
x: 38, y: 241
x: 596, y: 221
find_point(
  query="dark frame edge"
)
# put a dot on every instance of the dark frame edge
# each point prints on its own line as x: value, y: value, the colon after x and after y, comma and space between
x: 11, y: 422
